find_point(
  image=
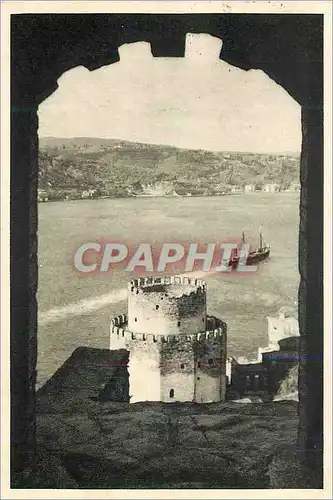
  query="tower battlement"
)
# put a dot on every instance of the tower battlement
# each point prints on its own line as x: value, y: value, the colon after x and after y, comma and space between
x: 126, y: 335
x: 119, y: 320
x: 177, y: 352
x: 167, y: 305
x: 142, y: 283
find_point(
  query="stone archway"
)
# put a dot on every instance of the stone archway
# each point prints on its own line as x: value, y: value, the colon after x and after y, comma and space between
x: 288, y: 48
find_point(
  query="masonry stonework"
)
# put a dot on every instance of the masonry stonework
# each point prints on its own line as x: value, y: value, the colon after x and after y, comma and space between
x: 154, y: 306
x: 177, y: 352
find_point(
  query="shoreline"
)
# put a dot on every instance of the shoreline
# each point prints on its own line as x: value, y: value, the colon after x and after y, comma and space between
x: 166, y: 196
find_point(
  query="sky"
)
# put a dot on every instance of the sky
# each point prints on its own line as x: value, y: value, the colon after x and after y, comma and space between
x: 196, y: 102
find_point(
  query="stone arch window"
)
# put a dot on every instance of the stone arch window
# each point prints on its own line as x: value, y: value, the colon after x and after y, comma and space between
x: 178, y: 324
x: 136, y: 320
x: 172, y: 393
x: 210, y: 361
x: 199, y: 364
x: 260, y: 55
x: 182, y: 366
x: 157, y: 307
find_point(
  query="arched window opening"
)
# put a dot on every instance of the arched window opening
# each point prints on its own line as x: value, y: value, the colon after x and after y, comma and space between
x: 202, y: 52
x: 172, y: 393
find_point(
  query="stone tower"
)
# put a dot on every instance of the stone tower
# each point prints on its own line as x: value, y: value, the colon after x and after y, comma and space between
x: 177, y: 352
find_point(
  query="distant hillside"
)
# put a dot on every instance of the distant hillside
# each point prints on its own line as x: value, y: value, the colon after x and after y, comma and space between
x: 112, y: 167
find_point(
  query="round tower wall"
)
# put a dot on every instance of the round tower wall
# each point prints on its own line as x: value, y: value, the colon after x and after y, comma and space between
x: 211, y: 359
x: 177, y: 367
x: 173, y: 367
x: 144, y: 370
x: 167, y: 308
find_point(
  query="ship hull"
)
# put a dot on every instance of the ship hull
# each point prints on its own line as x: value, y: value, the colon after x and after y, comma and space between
x: 253, y: 258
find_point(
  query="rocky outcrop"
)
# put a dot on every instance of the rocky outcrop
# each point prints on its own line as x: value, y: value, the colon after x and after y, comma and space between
x: 288, y: 389
x: 98, y: 442
x: 161, y: 445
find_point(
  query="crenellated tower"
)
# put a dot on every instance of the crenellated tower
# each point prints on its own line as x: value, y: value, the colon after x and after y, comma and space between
x: 177, y: 352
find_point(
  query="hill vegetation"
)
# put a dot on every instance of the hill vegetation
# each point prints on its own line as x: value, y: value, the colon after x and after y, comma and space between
x: 89, y: 167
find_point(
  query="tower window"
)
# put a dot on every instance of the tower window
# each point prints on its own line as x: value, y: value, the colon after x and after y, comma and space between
x: 199, y: 364
x: 178, y: 323
x: 210, y: 361
x: 182, y: 366
x: 198, y: 378
x: 172, y: 393
x: 135, y: 319
x: 157, y: 307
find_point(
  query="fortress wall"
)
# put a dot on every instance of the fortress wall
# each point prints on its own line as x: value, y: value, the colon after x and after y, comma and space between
x: 118, y: 333
x: 210, y: 351
x: 181, y: 383
x: 144, y: 370
x: 158, y: 364
x: 167, y: 307
x: 210, y: 376
x: 209, y: 389
x: 177, y: 368
x: 170, y: 364
x: 117, y: 338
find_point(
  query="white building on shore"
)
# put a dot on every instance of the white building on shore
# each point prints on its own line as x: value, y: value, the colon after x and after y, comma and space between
x: 249, y: 188
x: 271, y: 188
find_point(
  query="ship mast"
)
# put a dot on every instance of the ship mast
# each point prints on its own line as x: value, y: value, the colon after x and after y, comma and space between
x: 260, y: 239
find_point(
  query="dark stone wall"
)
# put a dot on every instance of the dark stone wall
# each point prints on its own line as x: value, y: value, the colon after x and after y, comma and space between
x: 288, y: 48
x: 310, y: 433
x: 23, y: 269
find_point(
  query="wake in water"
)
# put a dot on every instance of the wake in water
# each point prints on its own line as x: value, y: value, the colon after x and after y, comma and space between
x: 86, y: 306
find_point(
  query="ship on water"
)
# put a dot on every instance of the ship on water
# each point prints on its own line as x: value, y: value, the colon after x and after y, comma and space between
x: 261, y: 253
